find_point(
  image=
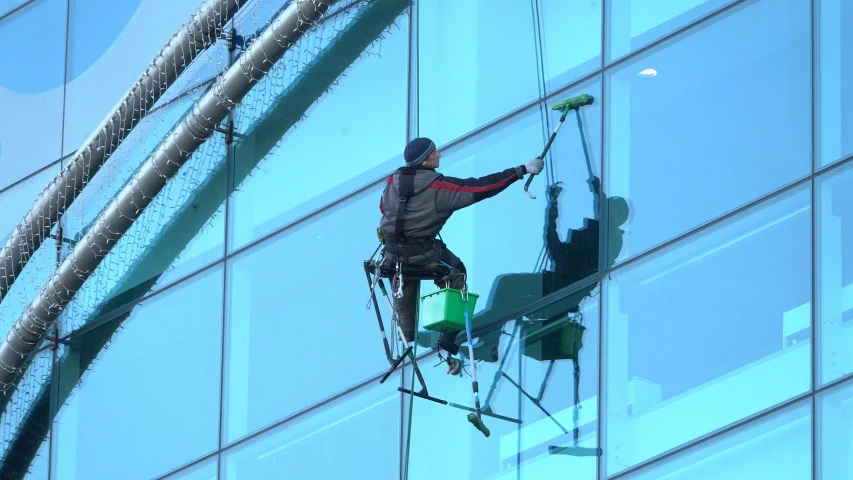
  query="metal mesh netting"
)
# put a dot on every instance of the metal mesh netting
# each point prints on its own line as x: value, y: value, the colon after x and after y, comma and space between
x: 28, y: 410
x: 181, y: 227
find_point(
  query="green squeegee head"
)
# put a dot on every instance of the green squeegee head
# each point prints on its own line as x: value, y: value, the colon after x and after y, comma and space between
x: 478, y: 424
x: 574, y: 103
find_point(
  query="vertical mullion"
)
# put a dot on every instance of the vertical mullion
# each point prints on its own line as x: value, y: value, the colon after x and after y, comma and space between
x: 815, y: 331
x: 229, y: 179
x: 413, y: 97
x: 602, y: 247
x: 412, y: 131
x: 53, y: 408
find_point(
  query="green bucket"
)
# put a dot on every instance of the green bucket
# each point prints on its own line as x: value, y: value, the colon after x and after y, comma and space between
x: 444, y: 311
x: 561, y: 343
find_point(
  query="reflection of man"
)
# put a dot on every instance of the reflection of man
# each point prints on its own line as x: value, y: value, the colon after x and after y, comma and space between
x: 577, y: 257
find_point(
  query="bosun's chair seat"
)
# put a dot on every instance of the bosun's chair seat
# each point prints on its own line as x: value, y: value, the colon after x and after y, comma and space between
x: 410, y: 273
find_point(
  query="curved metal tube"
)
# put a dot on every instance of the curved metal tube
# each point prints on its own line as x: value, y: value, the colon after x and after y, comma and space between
x: 193, y: 38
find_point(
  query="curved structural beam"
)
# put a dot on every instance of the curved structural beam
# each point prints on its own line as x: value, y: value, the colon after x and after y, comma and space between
x: 193, y: 130
x: 193, y: 38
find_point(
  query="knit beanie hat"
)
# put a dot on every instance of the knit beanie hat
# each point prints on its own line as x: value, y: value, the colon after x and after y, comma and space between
x: 417, y: 151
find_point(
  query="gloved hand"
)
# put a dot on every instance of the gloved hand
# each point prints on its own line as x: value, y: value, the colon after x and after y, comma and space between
x: 535, y: 166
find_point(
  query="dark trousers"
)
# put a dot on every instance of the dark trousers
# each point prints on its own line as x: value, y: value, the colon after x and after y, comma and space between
x: 406, y: 307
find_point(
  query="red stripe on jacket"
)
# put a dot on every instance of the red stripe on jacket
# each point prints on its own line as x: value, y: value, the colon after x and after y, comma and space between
x: 463, y: 189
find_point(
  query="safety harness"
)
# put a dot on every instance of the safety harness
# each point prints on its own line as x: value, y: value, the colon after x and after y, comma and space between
x: 397, y: 243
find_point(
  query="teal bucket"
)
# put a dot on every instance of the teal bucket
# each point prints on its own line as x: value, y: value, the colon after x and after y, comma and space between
x: 444, y: 311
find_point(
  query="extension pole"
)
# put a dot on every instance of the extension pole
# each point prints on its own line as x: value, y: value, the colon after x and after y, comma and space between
x: 475, y: 418
x: 574, y: 103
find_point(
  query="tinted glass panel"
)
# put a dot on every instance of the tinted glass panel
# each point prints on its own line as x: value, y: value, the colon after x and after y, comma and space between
x: 110, y: 44
x: 701, y: 137
x: 777, y: 446
x: 25, y: 423
x: 570, y: 48
x: 634, y: 24
x: 7, y: 6
x: 834, y: 422
x: 477, y: 60
x: 835, y: 277
x: 722, y: 319
x: 835, y: 77
x: 206, y: 470
x: 150, y: 378
x: 296, y: 307
x: 357, y: 435
x: 349, y: 133
x: 31, y: 85
x: 526, y: 375
x: 16, y: 201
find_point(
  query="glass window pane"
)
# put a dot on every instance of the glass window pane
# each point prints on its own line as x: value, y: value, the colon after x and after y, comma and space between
x: 206, y: 470
x: 526, y: 373
x: 306, y: 288
x: 355, y: 436
x: 721, y: 318
x: 776, y: 446
x: 477, y: 60
x: 110, y: 44
x: 25, y: 422
x: 702, y: 137
x: 570, y: 48
x: 31, y: 85
x: 835, y: 58
x: 834, y: 423
x: 277, y: 166
x: 835, y: 273
x: 154, y: 373
x: 7, y: 6
x: 634, y: 24
x: 16, y: 201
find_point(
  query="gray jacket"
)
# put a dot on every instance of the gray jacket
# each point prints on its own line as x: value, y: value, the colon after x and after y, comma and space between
x: 435, y: 198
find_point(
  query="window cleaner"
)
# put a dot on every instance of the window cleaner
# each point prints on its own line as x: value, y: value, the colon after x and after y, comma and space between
x: 416, y: 203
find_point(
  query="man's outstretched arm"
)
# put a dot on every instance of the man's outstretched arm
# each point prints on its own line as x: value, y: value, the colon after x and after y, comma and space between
x: 457, y: 193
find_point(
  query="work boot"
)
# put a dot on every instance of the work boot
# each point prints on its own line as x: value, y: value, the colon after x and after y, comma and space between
x: 448, y: 344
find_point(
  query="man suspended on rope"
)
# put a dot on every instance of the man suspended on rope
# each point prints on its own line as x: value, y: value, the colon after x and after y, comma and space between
x: 428, y: 199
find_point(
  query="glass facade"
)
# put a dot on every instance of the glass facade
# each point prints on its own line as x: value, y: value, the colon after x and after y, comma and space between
x: 673, y: 303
